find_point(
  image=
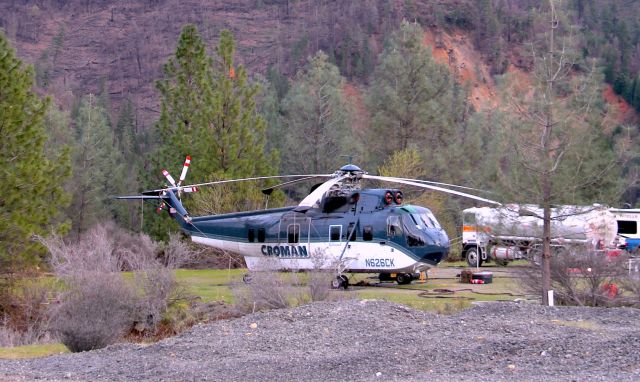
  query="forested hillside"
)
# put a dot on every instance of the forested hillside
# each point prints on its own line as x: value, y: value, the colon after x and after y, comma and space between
x: 426, y: 88
x: 80, y: 46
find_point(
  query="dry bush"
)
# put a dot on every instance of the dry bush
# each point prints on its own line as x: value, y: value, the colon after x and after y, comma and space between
x: 271, y: 288
x: 268, y: 289
x: 213, y: 258
x: 319, y: 282
x: 154, y: 277
x: 99, y: 305
x: 23, y: 313
x: 96, y: 303
x: 580, y: 276
x: 97, y: 311
x: 631, y: 283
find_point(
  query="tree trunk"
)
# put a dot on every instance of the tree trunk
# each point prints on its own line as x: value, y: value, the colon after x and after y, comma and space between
x: 546, y: 239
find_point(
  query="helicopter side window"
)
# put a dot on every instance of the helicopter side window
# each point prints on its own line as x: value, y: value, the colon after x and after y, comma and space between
x: 251, y: 235
x: 293, y: 232
x: 335, y: 231
x: 261, y: 235
x: 394, y: 228
x: 367, y: 233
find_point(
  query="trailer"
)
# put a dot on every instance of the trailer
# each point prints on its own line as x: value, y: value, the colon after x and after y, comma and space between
x: 627, y: 221
x: 514, y: 232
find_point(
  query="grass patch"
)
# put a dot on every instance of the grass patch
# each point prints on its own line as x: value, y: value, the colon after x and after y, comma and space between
x: 411, y: 299
x: 32, y: 351
x: 464, y: 264
x: 210, y: 284
x: 214, y: 285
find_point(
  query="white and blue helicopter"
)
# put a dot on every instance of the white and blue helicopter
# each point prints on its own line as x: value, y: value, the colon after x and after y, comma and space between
x: 339, y: 226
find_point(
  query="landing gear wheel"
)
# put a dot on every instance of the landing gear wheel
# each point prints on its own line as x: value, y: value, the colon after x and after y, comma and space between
x: 473, y: 257
x: 403, y: 278
x: 345, y: 281
x: 340, y: 281
x: 247, y: 278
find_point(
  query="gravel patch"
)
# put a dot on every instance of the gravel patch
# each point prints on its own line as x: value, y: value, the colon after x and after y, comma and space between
x: 372, y: 341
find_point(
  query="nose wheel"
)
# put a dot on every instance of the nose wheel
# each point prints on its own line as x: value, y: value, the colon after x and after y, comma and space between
x: 341, y: 281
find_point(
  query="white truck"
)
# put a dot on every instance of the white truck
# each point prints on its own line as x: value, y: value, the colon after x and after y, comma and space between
x: 513, y: 231
x: 628, y: 222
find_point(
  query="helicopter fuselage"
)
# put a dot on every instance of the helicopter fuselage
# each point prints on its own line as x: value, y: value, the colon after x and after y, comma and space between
x: 362, y: 231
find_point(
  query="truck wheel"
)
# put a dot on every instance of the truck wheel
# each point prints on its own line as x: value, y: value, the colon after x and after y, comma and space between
x: 473, y: 257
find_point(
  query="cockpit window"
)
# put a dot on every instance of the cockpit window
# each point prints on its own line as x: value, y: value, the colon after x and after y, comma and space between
x: 422, y: 220
x: 414, y: 227
x: 429, y: 220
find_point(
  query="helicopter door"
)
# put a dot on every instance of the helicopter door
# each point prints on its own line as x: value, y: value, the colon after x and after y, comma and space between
x: 294, y: 230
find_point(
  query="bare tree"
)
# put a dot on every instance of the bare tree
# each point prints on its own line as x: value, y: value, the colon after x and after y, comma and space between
x: 557, y: 149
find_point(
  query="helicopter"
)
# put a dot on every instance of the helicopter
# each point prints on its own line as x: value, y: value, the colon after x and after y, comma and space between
x: 338, y: 226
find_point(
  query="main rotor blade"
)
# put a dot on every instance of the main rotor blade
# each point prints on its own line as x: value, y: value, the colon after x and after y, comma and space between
x: 313, y: 197
x: 269, y: 190
x: 431, y: 187
x: 244, y: 180
x: 442, y: 184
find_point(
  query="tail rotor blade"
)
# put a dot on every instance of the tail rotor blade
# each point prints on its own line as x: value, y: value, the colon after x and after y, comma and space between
x: 169, y: 177
x: 185, y: 168
x: 190, y: 189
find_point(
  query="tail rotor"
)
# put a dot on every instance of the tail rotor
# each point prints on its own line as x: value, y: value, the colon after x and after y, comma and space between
x: 177, y: 186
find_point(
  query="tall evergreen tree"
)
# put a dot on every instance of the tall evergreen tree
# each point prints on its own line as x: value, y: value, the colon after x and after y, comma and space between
x: 410, y: 100
x: 32, y: 196
x: 208, y: 111
x: 317, y: 121
x: 98, y: 169
x: 129, y: 145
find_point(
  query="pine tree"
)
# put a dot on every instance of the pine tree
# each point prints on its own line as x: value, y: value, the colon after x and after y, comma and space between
x: 208, y: 111
x: 128, y: 143
x: 410, y: 100
x: 32, y: 198
x: 317, y: 122
x: 98, y: 169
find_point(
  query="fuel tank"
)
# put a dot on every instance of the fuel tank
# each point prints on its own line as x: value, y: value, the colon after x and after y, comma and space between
x: 572, y: 224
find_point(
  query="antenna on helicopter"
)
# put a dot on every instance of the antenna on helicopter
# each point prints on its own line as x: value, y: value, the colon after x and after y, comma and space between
x: 349, y: 157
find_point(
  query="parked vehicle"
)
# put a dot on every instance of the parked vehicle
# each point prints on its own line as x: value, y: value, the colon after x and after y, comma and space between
x: 627, y: 222
x: 513, y: 232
